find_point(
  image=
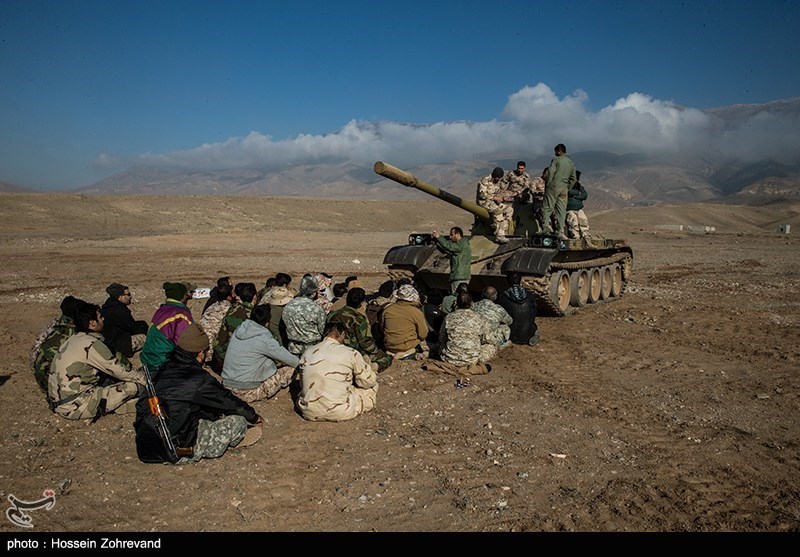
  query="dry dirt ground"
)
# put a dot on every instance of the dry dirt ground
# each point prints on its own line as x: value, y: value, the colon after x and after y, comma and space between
x: 674, y: 408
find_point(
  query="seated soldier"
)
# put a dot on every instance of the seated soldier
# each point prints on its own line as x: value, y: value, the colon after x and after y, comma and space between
x: 356, y: 327
x: 168, y: 322
x: 50, y: 339
x: 211, y: 320
x: 204, y: 417
x: 498, y: 318
x: 251, y: 369
x: 338, y: 383
x: 404, y: 327
x: 521, y: 306
x: 86, y: 379
x: 466, y: 343
x: 303, y: 318
x: 121, y: 332
x: 244, y: 300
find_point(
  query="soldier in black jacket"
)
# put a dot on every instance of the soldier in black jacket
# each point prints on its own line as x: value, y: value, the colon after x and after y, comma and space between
x: 521, y: 306
x: 202, y: 414
x: 122, y: 333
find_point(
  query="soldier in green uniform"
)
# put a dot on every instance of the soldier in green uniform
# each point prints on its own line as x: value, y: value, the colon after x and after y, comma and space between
x: 460, y: 256
x: 357, y: 329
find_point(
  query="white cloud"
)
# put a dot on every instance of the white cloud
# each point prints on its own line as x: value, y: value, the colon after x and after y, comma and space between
x: 105, y: 161
x: 533, y: 121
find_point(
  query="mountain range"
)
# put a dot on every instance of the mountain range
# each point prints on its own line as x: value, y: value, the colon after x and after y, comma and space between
x: 612, y: 180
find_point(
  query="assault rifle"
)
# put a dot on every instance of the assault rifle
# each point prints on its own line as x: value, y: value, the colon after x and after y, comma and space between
x: 173, y: 452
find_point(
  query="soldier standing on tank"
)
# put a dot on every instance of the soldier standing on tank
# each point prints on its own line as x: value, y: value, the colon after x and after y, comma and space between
x: 537, y: 196
x: 576, y: 221
x: 490, y: 197
x: 561, y: 176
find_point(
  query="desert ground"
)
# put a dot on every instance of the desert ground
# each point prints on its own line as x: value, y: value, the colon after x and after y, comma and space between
x: 672, y: 409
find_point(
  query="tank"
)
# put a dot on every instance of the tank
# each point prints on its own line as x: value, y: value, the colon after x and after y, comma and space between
x: 564, y: 275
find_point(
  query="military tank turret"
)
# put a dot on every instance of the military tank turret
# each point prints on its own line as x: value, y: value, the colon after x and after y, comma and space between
x: 563, y: 274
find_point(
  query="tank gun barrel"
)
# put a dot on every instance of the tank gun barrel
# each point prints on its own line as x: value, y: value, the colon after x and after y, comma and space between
x: 407, y: 179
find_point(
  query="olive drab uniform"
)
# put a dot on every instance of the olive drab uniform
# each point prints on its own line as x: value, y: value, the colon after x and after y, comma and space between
x: 498, y: 318
x: 466, y: 339
x: 86, y: 380
x: 501, y: 213
x: 560, y: 179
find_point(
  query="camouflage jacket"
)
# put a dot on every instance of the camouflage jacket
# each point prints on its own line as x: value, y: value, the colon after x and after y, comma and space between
x: 514, y: 184
x: 462, y: 334
x: 237, y: 313
x: 305, y: 323
x: 212, y: 318
x: 46, y: 346
x: 82, y: 363
x: 487, y: 190
x: 537, y: 187
x: 358, y: 335
x: 497, y: 317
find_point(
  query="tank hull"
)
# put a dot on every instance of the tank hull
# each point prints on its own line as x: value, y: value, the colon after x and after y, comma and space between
x: 564, y: 274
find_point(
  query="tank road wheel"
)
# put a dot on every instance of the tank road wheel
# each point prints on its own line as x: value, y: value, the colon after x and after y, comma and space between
x: 605, y: 290
x: 560, y: 291
x: 579, y: 287
x: 616, y: 280
x: 595, y: 284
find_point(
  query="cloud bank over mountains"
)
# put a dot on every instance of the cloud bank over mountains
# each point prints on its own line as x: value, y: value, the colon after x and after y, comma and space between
x: 533, y: 120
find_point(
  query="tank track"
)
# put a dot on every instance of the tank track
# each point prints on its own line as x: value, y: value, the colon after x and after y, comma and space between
x: 540, y: 286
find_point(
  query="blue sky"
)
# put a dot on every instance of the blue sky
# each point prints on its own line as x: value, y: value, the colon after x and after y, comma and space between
x: 90, y: 88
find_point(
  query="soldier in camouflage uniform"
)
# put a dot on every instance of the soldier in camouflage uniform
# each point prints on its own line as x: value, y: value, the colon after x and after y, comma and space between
x: 86, y: 379
x: 515, y: 182
x: 213, y: 315
x: 576, y: 222
x: 490, y: 197
x: 357, y: 330
x: 537, y: 196
x: 465, y: 338
x: 337, y: 382
x: 498, y: 318
x: 303, y: 318
x: 50, y: 339
x: 245, y: 296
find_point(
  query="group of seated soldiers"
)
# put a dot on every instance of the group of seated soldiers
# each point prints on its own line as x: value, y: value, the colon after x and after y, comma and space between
x: 249, y: 344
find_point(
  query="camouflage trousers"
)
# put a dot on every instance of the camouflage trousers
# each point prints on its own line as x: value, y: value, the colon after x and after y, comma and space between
x: 137, y: 343
x: 501, y: 334
x: 485, y: 353
x: 577, y: 224
x: 214, y: 438
x: 269, y: 388
x: 113, y: 398
x: 501, y: 217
